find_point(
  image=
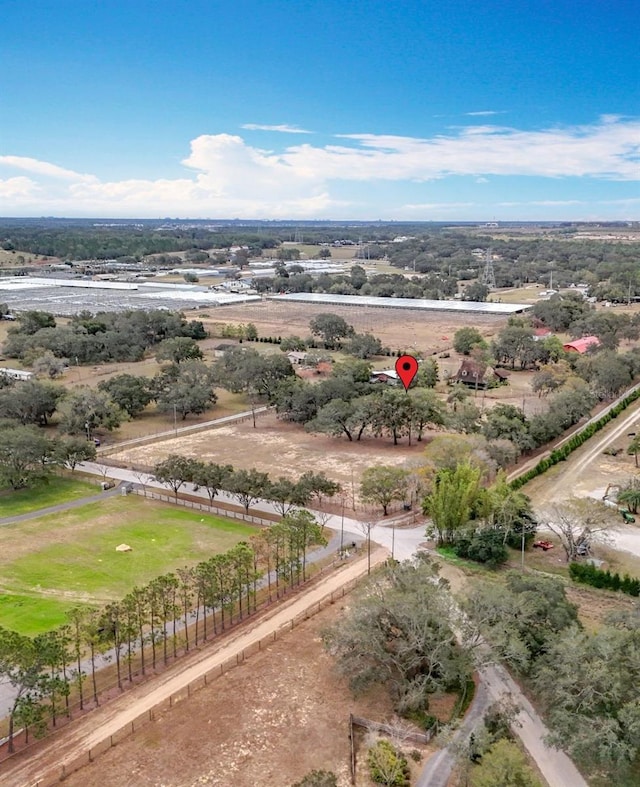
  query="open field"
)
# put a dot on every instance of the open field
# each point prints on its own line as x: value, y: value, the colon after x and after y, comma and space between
x: 397, y: 328
x: 49, y: 564
x: 278, y: 448
x: 57, y: 490
x: 282, y: 714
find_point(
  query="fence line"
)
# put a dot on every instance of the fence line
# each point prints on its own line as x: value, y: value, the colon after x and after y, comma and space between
x: 375, y: 726
x: 229, y: 513
x: 352, y: 753
x: 62, y: 770
x: 171, y: 434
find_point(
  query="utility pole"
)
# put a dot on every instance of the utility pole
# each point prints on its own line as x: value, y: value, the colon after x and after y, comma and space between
x: 175, y: 420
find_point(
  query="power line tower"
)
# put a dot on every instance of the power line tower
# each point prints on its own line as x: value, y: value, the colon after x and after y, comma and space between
x: 488, y: 274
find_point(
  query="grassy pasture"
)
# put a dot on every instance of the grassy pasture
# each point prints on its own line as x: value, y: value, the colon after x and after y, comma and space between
x: 50, y: 564
x: 57, y: 490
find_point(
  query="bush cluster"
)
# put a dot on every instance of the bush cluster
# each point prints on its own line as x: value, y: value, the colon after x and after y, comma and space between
x: 588, y: 574
x: 483, y: 546
x: 388, y: 766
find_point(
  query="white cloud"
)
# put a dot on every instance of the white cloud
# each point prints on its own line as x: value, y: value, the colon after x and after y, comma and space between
x: 485, y: 112
x: 225, y: 176
x: 18, y: 188
x: 284, y: 128
x: 37, y: 167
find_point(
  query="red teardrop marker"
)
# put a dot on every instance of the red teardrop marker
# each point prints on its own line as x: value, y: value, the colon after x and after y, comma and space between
x: 406, y: 368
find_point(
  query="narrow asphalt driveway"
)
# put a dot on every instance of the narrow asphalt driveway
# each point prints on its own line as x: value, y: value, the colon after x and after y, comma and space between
x: 83, y: 501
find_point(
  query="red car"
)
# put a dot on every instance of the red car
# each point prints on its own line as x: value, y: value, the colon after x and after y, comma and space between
x: 544, y: 545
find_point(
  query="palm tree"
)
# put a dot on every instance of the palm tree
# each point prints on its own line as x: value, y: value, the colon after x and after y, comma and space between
x: 629, y: 495
x: 634, y: 448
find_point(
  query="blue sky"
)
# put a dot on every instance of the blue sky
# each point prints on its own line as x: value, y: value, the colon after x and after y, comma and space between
x: 363, y: 109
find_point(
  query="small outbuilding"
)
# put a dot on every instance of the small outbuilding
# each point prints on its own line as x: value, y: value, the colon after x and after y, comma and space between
x: 16, y: 374
x: 297, y: 358
x: 581, y: 345
x: 386, y: 376
x: 220, y: 349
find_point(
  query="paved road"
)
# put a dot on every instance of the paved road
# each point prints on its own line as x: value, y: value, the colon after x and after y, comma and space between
x: 555, y: 766
x: 437, y: 771
x: 82, y: 501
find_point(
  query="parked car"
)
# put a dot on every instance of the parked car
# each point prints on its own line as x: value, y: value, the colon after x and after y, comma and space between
x: 543, y: 545
x: 96, y: 441
x: 627, y: 516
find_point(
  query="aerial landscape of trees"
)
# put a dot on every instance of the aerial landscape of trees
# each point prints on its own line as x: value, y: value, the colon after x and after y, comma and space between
x: 404, y: 631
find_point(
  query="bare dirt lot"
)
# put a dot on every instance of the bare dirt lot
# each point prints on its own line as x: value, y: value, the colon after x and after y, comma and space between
x: 397, y: 328
x: 278, y: 448
x: 269, y: 722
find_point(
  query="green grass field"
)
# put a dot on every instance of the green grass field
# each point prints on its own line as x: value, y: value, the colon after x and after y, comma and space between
x: 51, y: 564
x: 57, y: 490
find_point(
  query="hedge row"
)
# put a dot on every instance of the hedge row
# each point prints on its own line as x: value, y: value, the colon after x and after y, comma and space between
x: 590, y: 575
x: 560, y: 454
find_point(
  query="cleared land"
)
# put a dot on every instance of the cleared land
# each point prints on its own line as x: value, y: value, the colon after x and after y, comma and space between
x: 49, y: 564
x: 428, y: 332
x: 277, y: 448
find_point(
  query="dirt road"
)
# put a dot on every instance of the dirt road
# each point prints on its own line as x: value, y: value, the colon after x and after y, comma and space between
x: 564, y: 483
x: 75, y: 742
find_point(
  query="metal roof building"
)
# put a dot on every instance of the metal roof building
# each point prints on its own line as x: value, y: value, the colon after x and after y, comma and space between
x: 420, y: 304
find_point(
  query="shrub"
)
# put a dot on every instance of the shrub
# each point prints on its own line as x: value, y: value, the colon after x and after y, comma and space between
x: 318, y: 779
x: 484, y: 546
x: 388, y: 766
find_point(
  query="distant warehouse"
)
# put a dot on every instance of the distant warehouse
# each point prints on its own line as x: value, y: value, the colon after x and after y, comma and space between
x: 420, y: 304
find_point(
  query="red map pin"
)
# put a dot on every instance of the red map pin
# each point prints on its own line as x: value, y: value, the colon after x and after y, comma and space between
x: 406, y: 368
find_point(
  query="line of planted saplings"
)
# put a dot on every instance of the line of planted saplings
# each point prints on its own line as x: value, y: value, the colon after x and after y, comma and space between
x: 150, y: 625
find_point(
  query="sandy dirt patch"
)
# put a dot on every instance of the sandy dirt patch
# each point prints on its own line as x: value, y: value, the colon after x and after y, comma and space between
x: 269, y: 722
x: 277, y: 448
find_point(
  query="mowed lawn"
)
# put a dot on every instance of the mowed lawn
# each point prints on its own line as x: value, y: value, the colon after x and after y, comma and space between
x: 57, y: 490
x: 50, y: 564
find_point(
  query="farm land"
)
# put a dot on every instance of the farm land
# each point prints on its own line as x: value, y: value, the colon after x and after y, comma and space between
x: 403, y: 329
x: 52, y: 563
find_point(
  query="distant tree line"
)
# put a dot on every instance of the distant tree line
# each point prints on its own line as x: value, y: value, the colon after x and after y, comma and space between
x: 97, y: 338
x: 610, y: 269
x: 356, y: 282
